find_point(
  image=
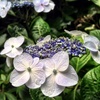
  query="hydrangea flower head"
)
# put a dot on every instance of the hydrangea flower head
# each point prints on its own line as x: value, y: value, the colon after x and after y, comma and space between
x: 27, y: 71
x: 4, y: 8
x: 12, y: 47
x: 93, y: 44
x: 59, y: 74
x: 43, y: 5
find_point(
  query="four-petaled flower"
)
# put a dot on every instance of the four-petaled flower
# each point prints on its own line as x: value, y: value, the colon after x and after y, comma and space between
x: 59, y: 74
x: 93, y: 44
x: 43, y: 5
x: 4, y: 8
x: 12, y: 47
x: 27, y: 71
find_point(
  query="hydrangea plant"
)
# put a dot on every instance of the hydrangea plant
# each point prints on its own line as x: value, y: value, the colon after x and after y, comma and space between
x: 49, y: 50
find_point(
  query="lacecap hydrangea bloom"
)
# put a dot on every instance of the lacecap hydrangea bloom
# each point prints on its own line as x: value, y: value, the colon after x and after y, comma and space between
x: 4, y: 8
x: 43, y: 5
x: 27, y: 71
x: 59, y: 74
x: 93, y: 44
x: 12, y: 47
x: 47, y: 47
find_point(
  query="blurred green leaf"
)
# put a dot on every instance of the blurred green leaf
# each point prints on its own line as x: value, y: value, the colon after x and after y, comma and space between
x: 95, y: 33
x: 2, y: 39
x: 3, y: 77
x: 15, y: 30
x: 2, y: 96
x: 97, y: 2
x: 10, y: 96
x: 90, y: 86
x: 39, y: 28
x: 79, y: 62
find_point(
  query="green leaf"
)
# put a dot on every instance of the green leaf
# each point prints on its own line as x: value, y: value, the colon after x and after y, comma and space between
x: 39, y: 28
x: 36, y: 94
x: 79, y: 62
x: 15, y: 29
x: 2, y: 96
x: 3, y: 77
x: 97, y: 2
x: 2, y: 39
x: 10, y: 96
x: 95, y: 33
x: 90, y: 85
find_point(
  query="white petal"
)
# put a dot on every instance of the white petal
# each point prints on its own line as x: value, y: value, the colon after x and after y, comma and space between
x: 14, y: 41
x: 92, y: 39
x: 75, y: 32
x: 5, y: 50
x: 39, y: 8
x: 22, y: 62
x: 20, y: 40
x: 67, y: 78
x: 61, y: 60
x: 10, y: 42
x: 37, y: 78
x: 19, y: 78
x: 9, y: 61
x: 45, y: 2
x: 8, y: 5
x: 14, y: 52
x: 3, y: 13
x: 35, y: 61
x: 49, y: 7
x: 96, y: 56
x: 49, y: 66
x: 37, y: 2
x: 91, y: 46
x: 46, y: 39
x: 50, y: 88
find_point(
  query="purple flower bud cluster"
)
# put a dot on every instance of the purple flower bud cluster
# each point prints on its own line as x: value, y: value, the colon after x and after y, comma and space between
x: 48, y: 49
x: 24, y: 4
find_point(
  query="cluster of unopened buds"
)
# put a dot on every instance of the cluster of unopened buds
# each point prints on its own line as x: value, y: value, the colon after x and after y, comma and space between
x: 49, y: 73
x: 38, y: 5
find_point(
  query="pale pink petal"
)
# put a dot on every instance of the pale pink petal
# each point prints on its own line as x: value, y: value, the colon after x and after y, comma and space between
x: 19, y: 78
x: 46, y: 39
x: 22, y: 62
x: 96, y: 56
x: 3, y: 13
x: 6, y: 50
x: 10, y: 42
x: 35, y: 61
x: 37, y: 2
x: 50, y: 88
x: 8, y: 5
x: 92, y: 39
x: 91, y: 46
x: 49, y: 66
x: 14, y: 52
x: 45, y: 2
x: 39, y: 8
x: 49, y: 7
x: 19, y: 42
x: 9, y: 61
x: 67, y: 78
x: 37, y: 78
x: 61, y: 60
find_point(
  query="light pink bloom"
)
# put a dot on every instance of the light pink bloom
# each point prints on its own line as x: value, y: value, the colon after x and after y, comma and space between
x: 27, y: 71
x: 59, y: 74
x: 12, y: 47
x: 43, y: 5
